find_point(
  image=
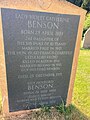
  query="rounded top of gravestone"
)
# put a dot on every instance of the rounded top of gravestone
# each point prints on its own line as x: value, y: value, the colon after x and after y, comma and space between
x: 87, y: 31
x: 86, y: 39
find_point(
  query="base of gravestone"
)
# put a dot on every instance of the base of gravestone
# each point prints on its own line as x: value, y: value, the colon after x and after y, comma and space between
x: 35, y: 115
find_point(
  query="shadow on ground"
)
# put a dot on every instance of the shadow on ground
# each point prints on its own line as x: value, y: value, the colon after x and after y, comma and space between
x: 76, y: 114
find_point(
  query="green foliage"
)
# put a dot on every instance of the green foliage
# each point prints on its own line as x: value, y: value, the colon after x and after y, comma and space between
x: 69, y: 109
x: 87, y: 22
x: 45, y: 108
x: 66, y: 110
x: 85, y: 2
x: 61, y: 108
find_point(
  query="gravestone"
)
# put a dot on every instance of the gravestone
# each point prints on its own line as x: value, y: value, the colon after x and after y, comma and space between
x: 38, y: 46
x: 86, y: 40
x: 39, y: 52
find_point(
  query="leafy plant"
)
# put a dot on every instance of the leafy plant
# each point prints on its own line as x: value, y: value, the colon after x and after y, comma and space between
x: 69, y: 109
x: 65, y: 110
x: 45, y: 108
x: 85, y: 4
x: 61, y: 108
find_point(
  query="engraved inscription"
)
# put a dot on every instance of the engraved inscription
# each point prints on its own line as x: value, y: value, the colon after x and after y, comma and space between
x: 39, y: 49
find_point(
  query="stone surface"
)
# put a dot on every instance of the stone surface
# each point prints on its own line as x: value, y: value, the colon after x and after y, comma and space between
x: 38, y: 46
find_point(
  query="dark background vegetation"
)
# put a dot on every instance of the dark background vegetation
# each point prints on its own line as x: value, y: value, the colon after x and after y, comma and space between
x: 82, y: 3
x: 85, y: 4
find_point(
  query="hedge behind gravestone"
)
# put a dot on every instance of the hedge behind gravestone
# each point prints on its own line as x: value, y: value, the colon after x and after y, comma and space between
x: 86, y: 23
x: 81, y: 3
x: 76, y: 2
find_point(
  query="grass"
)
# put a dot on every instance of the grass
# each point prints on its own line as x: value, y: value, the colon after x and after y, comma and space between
x: 81, y: 97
